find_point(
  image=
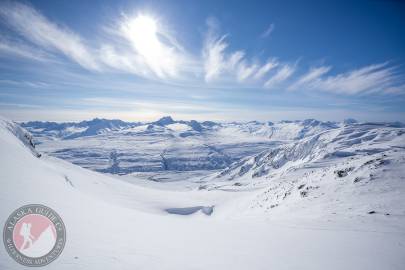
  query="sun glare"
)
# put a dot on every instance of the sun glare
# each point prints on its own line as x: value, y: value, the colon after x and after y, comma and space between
x: 145, y: 25
x: 142, y: 31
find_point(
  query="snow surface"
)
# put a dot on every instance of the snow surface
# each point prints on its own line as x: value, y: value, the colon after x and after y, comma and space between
x: 353, y: 171
x: 113, y: 224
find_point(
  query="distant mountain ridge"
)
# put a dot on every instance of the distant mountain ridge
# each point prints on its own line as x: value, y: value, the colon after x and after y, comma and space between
x: 120, y: 147
x: 72, y: 130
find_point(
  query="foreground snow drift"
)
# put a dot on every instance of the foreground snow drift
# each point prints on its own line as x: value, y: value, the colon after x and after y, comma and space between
x: 116, y: 225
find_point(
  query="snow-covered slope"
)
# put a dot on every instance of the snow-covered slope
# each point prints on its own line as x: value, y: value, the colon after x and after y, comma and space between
x: 116, y: 225
x: 347, y: 141
x: 24, y: 136
x: 356, y: 170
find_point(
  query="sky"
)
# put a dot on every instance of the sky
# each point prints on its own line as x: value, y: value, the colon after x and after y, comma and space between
x: 202, y: 60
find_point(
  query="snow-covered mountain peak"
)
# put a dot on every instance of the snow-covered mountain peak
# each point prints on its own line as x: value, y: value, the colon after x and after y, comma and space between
x: 166, y: 120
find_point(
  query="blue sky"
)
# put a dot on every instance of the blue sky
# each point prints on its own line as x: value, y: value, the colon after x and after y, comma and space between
x: 203, y: 60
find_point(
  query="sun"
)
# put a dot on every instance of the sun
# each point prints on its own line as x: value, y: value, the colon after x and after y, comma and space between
x: 144, y: 34
x: 144, y: 25
x: 142, y: 31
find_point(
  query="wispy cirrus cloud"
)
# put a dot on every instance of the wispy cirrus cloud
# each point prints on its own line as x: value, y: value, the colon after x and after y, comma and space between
x: 220, y: 63
x: 396, y: 89
x: 139, y: 45
x: 122, y: 61
x: 377, y: 78
x: 282, y: 74
x: 271, y: 64
x: 18, y: 49
x: 312, y: 75
x: 33, y: 26
x: 268, y: 31
x: 143, y: 53
x: 372, y: 78
x: 246, y: 71
x: 32, y: 84
x: 215, y: 62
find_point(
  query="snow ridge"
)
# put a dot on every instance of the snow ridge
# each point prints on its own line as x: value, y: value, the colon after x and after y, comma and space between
x: 23, y: 135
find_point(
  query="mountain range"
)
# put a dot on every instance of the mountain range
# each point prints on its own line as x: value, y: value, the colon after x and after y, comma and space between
x: 122, y: 147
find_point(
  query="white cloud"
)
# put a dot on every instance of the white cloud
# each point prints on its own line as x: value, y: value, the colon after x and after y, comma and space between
x: 125, y: 62
x: 139, y: 51
x: 396, y: 89
x: 312, y: 75
x: 218, y: 63
x: 32, y: 84
x: 372, y: 78
x: 271, y: 64
x: 377, y: 78
x: 35, y: 27
x: 18, y: 49
x: 140, y: 45
x: 281, y: 75
x: 245, y: 71
x: 268, y: 31
x: 214, y: 59
x: 235, y: 59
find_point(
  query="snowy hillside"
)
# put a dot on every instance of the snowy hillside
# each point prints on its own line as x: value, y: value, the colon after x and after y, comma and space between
x: 355, y: 169
x: 112, y: 224
x: 347, y: 141
x: 119, y: 147
x: 24, y: 136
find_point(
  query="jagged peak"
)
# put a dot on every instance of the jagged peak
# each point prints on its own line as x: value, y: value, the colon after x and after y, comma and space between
x: 165, y: 120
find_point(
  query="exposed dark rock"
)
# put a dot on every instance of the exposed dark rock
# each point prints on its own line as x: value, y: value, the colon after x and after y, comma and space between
x: 356, y: 180
x: 343, y: 173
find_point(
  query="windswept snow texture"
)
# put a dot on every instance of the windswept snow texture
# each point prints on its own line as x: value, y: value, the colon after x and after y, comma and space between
x: 300, y: 206
x: 114, y: 146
